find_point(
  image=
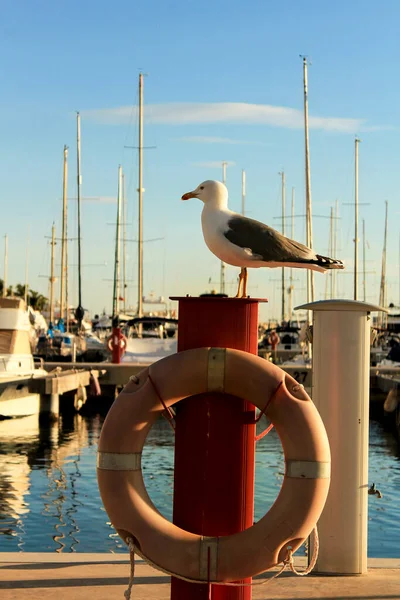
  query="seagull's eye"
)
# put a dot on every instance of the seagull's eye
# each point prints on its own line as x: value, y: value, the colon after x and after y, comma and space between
x: 202, y: 187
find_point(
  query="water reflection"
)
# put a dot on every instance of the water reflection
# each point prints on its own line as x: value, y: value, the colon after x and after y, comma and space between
x: 39, y: 468
x: 49, y: 500
x: 158, y: 466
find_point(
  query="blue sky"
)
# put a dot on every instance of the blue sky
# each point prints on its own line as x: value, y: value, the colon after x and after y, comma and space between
x: 224, y: 83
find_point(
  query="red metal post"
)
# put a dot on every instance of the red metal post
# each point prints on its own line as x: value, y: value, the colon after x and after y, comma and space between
x: 215, y: 438
x: 116, y: 345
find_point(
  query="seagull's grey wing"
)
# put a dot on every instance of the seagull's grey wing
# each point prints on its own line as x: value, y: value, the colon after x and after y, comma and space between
x: 265, y: 243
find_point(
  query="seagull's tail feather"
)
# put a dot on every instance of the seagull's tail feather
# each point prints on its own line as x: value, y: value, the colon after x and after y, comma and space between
x: 328, y: 263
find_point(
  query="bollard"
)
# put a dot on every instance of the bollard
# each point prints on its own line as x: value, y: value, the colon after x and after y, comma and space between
x: 116, y: 345
x: 214, y: 438
x: 340, y: 390
x: 49, y: 407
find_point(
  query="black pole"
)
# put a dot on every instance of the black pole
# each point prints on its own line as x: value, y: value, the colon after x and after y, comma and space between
x: 80, y: 311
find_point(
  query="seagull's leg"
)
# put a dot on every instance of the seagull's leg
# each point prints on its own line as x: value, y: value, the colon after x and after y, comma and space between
x: 241, y: 275
x: 244, y: 271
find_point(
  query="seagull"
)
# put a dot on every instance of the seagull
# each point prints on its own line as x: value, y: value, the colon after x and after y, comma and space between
x: 243, y: 242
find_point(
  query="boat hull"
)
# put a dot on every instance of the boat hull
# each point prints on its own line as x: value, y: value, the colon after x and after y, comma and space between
x: 16, y: 399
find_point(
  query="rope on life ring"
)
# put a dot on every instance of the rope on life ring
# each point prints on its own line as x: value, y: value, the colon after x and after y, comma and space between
x: 287, y: 562
x: 224, y: 559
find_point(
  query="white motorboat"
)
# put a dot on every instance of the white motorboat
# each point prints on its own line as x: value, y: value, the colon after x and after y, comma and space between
x: 17, y: 366
x: 158, y: 339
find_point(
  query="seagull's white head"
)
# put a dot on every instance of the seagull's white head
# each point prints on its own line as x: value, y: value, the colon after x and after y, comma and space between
x: 210, y: 192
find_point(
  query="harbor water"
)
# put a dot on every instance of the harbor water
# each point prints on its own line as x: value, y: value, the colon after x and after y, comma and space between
x: 49, y: 500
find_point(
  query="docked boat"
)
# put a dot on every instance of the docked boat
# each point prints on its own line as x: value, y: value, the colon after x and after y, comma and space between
x: 17, y: 366
x: 288, y: 344
x: 96, y: 350
x: 60, y: 346
x: 158, y: 339
x: 392, y: 359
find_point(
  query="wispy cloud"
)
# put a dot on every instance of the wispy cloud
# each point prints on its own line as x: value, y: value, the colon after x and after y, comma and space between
x: 371, y: 128
x: 185, y: 113
x: 203, y: 139
x: 213, y: 164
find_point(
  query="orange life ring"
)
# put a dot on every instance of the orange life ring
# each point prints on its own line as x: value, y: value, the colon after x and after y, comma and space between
x: 307, y: 457
x: 122, y: 341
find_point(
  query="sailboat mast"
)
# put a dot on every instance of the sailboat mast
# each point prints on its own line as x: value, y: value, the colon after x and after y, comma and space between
x: 309, y: 236
x: 243, y: 192
x: 66, y: 274
x: 124, y: 242
x: 117, y: 261
x: 331, y: 245
x: 223, y: 266
x: 356, y: 142
x: 64, y: 234
x: 26, y: 288
x: 364, y: 264
x: 79, y: 310
x: 5, y: 265
x: 335, y: 231
x: 291, y: 288
x: 140, y: 191
x: 382, y: 295
x: 283, y: 190
x: 52, y: 278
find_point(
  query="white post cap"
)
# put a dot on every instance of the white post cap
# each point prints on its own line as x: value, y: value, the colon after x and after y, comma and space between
x: 344, y: 305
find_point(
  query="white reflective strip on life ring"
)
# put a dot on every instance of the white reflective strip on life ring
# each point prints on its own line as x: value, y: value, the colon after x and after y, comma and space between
x: 208, y: 563
x: 111, y: 461
x: 307, y: 469
x: 216, y: 370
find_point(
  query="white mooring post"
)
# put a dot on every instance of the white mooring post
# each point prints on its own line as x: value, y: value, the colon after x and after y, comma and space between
x: 340, y: 390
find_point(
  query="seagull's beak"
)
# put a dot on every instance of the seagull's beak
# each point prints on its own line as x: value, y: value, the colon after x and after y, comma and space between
x: 189, y: 195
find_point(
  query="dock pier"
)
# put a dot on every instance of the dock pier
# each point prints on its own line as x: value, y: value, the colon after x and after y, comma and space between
x: 62, y: 389
x: 41, y: 576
